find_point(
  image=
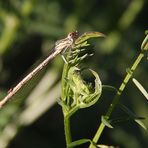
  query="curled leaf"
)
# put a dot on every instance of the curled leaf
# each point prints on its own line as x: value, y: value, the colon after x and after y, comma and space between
x: 77, y: 93
x: 92, y: 98
x: 82, y: 94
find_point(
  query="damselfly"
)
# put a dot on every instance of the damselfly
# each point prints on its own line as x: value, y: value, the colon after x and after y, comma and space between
x: 60, y: 47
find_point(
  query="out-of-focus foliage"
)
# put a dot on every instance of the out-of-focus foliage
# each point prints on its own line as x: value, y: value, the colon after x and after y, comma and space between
x: 29, y: 29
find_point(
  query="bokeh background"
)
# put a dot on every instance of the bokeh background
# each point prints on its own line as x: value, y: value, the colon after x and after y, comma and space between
x: 29, y: 29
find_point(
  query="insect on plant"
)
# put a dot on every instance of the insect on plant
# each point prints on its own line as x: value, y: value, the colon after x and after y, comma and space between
x: 60, y: 47
x: 76, y: 93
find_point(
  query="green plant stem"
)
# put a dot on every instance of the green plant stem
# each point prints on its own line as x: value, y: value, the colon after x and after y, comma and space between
x: 117, y: 97
x: 67, y: 130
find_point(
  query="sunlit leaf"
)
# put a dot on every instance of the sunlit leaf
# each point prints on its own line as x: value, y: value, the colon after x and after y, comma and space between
x: 88, y: 35
x: 106, y: 122
x: 78, y: 142
x: 139, y: 122
x: 141, y: 88
x: 144, y: 45
x: 104, y: 146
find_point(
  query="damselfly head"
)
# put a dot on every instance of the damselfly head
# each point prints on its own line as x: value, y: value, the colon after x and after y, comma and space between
x: 73, y: 34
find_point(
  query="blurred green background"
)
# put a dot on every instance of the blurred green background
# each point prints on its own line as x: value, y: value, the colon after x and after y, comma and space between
x: 29, y: 29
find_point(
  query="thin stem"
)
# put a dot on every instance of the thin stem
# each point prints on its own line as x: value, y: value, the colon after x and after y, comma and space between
x: 117, y: 97
x: 67, y: 130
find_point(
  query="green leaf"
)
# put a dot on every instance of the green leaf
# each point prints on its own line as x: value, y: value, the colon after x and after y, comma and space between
x: 104, y: 146
x: 123, y: 119
x: 141, y: 88
x: 78, y: 142
x: 140, y: 123
x: 106, y: 122
x: 84, y: 44
x: 126, y: 110
x: 98, y: 84
x: 88, y: 35
x: 92, y: 98
x: 110, y: 88
x: 133, y: 116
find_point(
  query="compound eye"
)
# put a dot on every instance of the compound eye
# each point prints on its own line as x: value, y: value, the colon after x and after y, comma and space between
x: 70, y: 34
x: 73, y: 34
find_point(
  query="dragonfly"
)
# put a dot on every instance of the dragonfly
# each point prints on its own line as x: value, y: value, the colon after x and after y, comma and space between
x: 60, y: 47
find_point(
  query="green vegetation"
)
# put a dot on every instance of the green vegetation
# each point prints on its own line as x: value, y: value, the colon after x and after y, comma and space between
x: 101, y: 91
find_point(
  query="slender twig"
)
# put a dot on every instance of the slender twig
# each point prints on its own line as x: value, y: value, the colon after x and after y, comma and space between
x: 60, y: 46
